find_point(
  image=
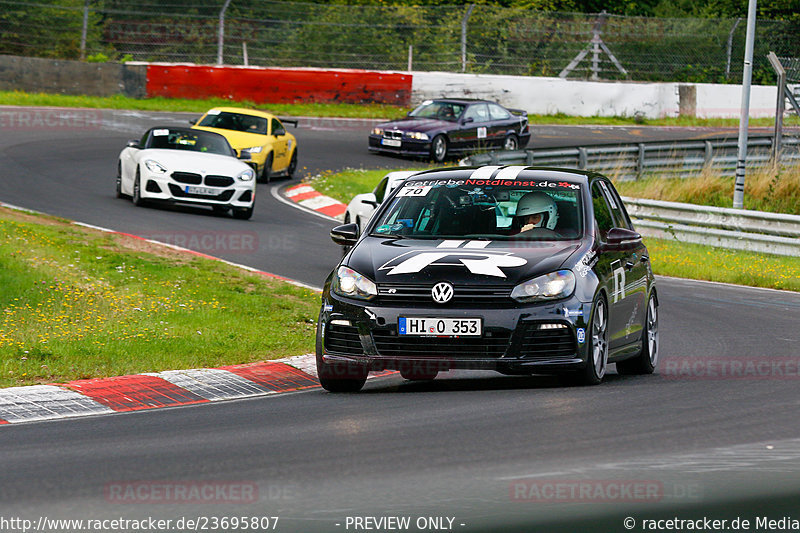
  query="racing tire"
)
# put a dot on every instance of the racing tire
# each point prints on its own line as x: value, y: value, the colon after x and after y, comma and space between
x: 119, y: 181
x: 597, y: 360
x: 439, y: 148
x: 292, y: 165
x: 647, y: 359
x: 243, y: 213
x: 338, y: 377
x: 511, y: 143
x: 138, y: 201
x: 266, y: 174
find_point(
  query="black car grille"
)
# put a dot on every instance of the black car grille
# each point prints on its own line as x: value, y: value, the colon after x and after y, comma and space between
x: 490, y: 345
x: 343, y: 339
x: 219, y: 181
x: 178, y: 192
x: 189, y: 178
x: 393, y: 134
x: 462, y: 295
x: 540, y: 343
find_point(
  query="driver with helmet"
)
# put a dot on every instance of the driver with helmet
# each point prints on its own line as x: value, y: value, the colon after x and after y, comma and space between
x: 535, y: 210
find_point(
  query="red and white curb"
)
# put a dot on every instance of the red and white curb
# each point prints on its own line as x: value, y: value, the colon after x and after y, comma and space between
x: 306, y: 196
x: 155, y: 390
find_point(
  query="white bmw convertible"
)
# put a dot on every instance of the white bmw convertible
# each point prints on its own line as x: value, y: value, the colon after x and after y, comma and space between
x: 181, y: 165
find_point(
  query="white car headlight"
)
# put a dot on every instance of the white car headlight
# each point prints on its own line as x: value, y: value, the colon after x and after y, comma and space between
x: 155, y: 166
x: 350, y: 283
x: 246, y: 175
x: 553, y: 286
x: 418, y: 135
x: 253, y: 150
x: 377, y: 131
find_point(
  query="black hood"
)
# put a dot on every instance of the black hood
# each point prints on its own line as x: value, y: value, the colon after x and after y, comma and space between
x: 415, y: 261
x: 418, y: 124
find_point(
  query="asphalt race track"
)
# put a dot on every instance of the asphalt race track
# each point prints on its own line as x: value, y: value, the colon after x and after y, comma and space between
x: 490, y: 452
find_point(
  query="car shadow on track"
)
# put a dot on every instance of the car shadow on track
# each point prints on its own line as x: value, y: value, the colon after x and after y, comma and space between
x: 454, y: 383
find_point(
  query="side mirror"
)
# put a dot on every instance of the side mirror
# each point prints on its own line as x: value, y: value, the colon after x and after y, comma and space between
x: 280, y: 132
x: 467, y: 120
x: 622, y: 238
x: 244, y: 156
x: 133, y: 143
x: 370, y: 199
x: 193, y: 121
x: 345, y: 235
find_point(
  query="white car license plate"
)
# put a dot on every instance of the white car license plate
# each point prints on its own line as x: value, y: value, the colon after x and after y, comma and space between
x: 392, y: 142
x: 205, y: 191
x: 451, y: 327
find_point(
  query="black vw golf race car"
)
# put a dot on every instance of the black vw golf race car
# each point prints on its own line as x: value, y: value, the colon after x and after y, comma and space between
x: 516, y: 269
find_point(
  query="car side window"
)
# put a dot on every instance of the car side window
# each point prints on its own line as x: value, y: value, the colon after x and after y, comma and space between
x: 143, y: 142
x: 602, y: 213
x: 380, y: 190
x: 477, y: 112
x: 498, y: 113
x: 276, y: 128
x: 617, y: 209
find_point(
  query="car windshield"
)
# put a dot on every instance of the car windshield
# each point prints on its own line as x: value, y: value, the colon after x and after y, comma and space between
x: 438, y: 110
x: 189, y: 140
x: 515, y: 210
x: 225, y: 120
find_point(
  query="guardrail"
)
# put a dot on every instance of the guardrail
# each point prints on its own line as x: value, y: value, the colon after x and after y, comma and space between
x: 737, y: 229
x: 632, y: 161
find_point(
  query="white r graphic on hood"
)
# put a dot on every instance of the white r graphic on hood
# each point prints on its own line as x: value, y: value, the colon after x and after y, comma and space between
x: 485, y: 263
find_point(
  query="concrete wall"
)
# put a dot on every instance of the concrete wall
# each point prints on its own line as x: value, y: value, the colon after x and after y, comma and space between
x: 33, y: 74
x: 268, y: 85
x: 586, y: 98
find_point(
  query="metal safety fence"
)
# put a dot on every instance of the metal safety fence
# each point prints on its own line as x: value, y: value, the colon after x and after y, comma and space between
x: 470, y: 38
x: 632, y: 161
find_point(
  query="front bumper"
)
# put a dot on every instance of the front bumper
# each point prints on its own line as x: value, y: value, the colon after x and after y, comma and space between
x: 524, y: 339
x: 166, y: 188
x: 408, y: 147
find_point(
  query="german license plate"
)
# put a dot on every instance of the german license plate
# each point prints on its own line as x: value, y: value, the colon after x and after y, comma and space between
x: 392, y: 142
x: 452, y: 327
x: 205, y: 191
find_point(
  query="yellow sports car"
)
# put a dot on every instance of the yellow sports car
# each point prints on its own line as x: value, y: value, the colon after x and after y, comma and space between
x: 272, y: 150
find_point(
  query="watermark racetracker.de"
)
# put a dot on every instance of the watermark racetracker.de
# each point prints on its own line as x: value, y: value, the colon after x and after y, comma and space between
x: 26, y: 119
x: 559, y: 491
x: 727, y: 368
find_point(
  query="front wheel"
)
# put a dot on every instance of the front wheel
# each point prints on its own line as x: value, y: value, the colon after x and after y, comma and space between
x: 292, y: 165
x: 439, y: 148
x: 119, y: 181
x: 511, y: 143
x: 266, y: 174
x: 647, y: 359
x: 138, y: 201
x: 597, y: 359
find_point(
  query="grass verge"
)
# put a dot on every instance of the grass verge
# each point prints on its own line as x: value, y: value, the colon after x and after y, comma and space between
x: 669, y: 257
x: 768, y: 189
x: 79, y: 303
x: 382, y: 111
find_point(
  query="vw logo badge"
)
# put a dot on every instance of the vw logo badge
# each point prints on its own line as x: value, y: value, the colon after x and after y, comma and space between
x: 442, y: 292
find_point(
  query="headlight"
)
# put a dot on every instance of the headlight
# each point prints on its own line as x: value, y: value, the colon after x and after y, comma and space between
x: 377, y: 131
x: 246, y: 175
x: 155, y: 166
x: 418, y: 135
x: 253, y: 150
x: 553, y: 286
x: 350, y: 283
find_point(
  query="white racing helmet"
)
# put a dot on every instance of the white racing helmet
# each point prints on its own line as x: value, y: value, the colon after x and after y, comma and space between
x: 538, y: 202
